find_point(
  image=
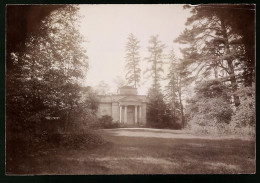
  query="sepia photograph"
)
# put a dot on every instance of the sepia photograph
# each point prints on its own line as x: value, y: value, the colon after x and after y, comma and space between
x: 127, y: 89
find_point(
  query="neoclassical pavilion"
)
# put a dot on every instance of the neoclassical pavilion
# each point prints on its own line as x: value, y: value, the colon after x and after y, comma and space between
x: 126, y: 107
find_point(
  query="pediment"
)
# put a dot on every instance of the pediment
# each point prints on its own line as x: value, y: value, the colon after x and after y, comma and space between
x: 130, y: 99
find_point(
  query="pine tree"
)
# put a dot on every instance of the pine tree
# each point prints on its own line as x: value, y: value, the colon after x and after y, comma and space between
x: 177, y: 80
x: 171, y: 88
x: 132, y: 61
x: 156, y: 109
x: 155, y: 61
x: 212, y: 46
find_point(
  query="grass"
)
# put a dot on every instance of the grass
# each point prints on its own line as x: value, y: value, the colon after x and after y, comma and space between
x: 152, y: 154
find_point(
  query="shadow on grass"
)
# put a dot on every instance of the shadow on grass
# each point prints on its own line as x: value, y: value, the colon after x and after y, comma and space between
x: 149, y: 155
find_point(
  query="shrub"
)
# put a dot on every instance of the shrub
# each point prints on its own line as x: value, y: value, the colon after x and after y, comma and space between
x: 157, y: 116
x: 209, y: 111
x: 106, y: 121
x: 166, y: 123
x: 243, y: 121
x: 245, y: 113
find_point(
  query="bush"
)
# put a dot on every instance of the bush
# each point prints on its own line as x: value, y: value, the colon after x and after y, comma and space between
x: 209, y: 113
x: 166, y: 123
x: 245, y: 113
x: 213, y: 114
x: 106, y: 121
x: 243, y: 121
x: 157, y: 116
x: 210, y: 110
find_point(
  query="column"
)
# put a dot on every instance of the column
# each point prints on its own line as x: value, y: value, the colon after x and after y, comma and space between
x: 136, y: 114
x: 140, y: 114
x: 125, y: 114
x: 120, y: 114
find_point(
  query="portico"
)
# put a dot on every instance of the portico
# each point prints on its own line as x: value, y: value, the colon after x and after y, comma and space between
x: 123, y: 112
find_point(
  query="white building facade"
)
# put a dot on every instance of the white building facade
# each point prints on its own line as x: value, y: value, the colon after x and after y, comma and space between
x: 127, y: 107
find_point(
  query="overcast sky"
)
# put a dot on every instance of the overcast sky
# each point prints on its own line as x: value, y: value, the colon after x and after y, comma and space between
x: 106, y: 28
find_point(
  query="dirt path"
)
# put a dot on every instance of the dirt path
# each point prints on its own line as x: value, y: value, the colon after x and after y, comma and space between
x: 165, y: 133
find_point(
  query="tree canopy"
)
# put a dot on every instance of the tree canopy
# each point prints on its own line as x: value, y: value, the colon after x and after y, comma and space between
x: 45, y: 78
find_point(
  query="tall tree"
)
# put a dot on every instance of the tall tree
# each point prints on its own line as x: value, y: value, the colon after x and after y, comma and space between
x: 213, y: 45
x: 155, y: 61
x: 22, y: 21
x: 178, y: 80
x: 49, y: 69
x: 241, y: 19
x: 171, y: 88
x: 132, y: 61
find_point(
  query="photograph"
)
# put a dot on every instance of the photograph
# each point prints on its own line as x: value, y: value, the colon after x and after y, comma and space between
x: 130, y: 89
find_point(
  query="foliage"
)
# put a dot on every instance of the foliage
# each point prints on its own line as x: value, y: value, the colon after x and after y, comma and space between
x: 245, y: 26
x: 211, y: 111
x: 119, y: 82
x: 240, y: 18
x: 213, y: 47
x: 219, y: 46
x: 172, y: 87
x: 165, y: 111
x: 210, y: 107
x: 174, y: 90
x: 102, y: 88
x: 22, y: 21
x: 155, y: 60
x: 158, y: 115
x: 132, y: 61
x: 107, y: 122
x: 45, y: 77
x: 245, y: 113
x: 83, y: 115
x: 212, y: 89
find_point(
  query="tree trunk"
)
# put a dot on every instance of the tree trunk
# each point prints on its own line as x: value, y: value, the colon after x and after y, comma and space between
x: 134, y: 69
x: 233, y: 82
x: 155, y: 75
x: 249, y: 40
x: 182, y: 113
x: 155, y: 72
x: 216, y: 72
x: 230, y: 63
x: 180, y: 100
x: 173, y: 105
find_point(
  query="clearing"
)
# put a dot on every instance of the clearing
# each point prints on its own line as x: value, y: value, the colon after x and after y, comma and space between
x: 148, y: 151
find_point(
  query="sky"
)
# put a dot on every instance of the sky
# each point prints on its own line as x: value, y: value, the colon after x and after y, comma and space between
x: 106, y: 28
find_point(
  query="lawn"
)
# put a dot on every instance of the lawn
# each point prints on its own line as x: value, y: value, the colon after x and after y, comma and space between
x: 147, y: 151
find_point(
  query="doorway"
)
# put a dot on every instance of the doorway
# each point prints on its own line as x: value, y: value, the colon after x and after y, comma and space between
x: 130, y: 115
